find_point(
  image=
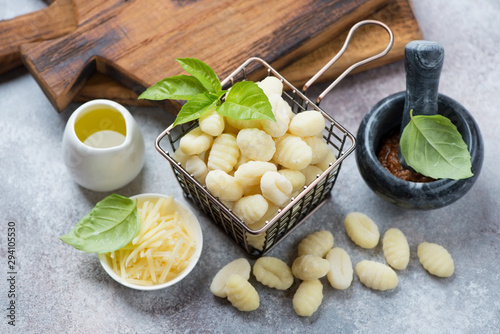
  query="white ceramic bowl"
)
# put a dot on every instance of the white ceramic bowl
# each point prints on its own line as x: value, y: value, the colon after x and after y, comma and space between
x: 192, y: 222
x: 102, y: 168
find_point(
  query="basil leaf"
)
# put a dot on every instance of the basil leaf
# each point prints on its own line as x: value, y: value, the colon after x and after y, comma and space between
x: 109, y: 226
x: 202, y: 72
x: 179, y: 87
x: 434, y: 147
x: 195, y: 107
x: 246, y: 101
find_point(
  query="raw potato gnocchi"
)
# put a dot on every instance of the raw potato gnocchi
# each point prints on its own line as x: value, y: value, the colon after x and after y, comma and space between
x: 276, y: 188
x: 396, y: 249
x: 223, y: 186
x: 251, y: 208
x: 250, y: 173
x: 296, y: 178
x: 341, y: 272
x: 311, y: 173
x: 292, y: 152
x: 317, y: 244
x: 255, y: 144
x: 362, y: 230
x: 319, y: 149
x: 197, y: 167
x: 224, y: 153
x: 241, y: 293
x: 273, y: 273
x: 271, y: 85
x: 307, y: 124
x: 376, y: 275
x: 435, y: 259
x: 309, y: 267
x: 329, y: 159
x: 212, y: 123
x: 281, y: 109
x: 308, y: 298
x: 195, y: 142
x: 239, y: 266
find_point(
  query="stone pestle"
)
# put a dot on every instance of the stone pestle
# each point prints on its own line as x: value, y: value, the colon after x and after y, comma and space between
x: 423, y: 64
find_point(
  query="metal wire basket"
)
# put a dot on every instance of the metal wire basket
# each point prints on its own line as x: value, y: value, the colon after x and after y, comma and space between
x: 258, y: 242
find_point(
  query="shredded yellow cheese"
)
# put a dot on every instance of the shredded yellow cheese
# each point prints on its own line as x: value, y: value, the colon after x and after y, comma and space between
x: 161, y: 250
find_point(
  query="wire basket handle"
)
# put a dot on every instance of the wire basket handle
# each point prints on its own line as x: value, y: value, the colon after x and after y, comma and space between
x: 352, y: 67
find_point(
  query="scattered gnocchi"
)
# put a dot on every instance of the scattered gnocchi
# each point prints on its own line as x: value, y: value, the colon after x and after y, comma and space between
x: 273, y: 272
x: 376, y: 275
x: 341, y: 273
x: 435, y: 259
x: 309, y: 267
x: 362, y: 230
x: 240, y: 266
x: 241, y: 293
x: 396, y: 249
x: 308, y: 297
x: 317, y: 244
x: 318, y: 258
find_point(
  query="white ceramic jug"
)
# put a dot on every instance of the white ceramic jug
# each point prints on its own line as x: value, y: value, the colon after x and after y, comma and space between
x: 103, y: 147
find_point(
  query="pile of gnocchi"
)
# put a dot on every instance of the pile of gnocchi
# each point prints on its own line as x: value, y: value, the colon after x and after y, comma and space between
x: 255, y: 167
x: 317, y: 257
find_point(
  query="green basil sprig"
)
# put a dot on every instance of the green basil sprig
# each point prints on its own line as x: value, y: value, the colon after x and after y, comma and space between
x: 202, y: 92
x: 109, y: 226
x: 433, y: 146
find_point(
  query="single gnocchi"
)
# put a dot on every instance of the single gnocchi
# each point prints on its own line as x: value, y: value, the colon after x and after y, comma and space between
x: 271, y: 85
x: 197, y: 167
x: 258, y: 240
x: 224, y: 153
x: 195, y: 142
x: 180, y: 157
x: 319, y: 148
x: 296, y: 178
x: 280, y: 110
x: 435, y: 259
x: 327, y: 161
x: 376, y: 275
x: 307, y: 124
x: 250, y: 173
x: 223, y: 186
x: 239, y: 266
x: 317, y: 243
x: 276, y: 188
x: 341, y: 272
x: 256, y: 144
x: 396, y: 249
x: 273, y: 273
x: 308, y: 267
x: 242, y: 294
x: 308, y: 298
x: 362, y: 230
x: 240, y: 124
x: 311, y: 173
x: 251, y: 208
x: 292, y: 152
x: 212, y: 123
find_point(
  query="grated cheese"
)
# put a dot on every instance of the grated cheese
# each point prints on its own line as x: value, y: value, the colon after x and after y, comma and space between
x: 161, y: 250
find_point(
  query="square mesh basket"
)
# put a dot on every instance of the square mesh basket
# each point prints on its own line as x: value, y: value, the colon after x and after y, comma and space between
x: 258, y: 242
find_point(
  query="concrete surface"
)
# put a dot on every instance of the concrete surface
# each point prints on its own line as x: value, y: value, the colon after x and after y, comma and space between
x: 61, y: 290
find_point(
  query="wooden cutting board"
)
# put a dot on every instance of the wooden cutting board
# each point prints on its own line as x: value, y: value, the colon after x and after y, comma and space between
x: 136, y: 42
x: 397, y: 14
x: 56, y: 20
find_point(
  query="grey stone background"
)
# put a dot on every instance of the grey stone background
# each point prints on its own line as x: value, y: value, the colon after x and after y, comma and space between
x: 61, y: 290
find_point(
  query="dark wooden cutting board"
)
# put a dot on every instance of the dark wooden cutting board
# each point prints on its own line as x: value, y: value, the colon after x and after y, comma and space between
x: 397, y: 14
x: 136, y: 42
